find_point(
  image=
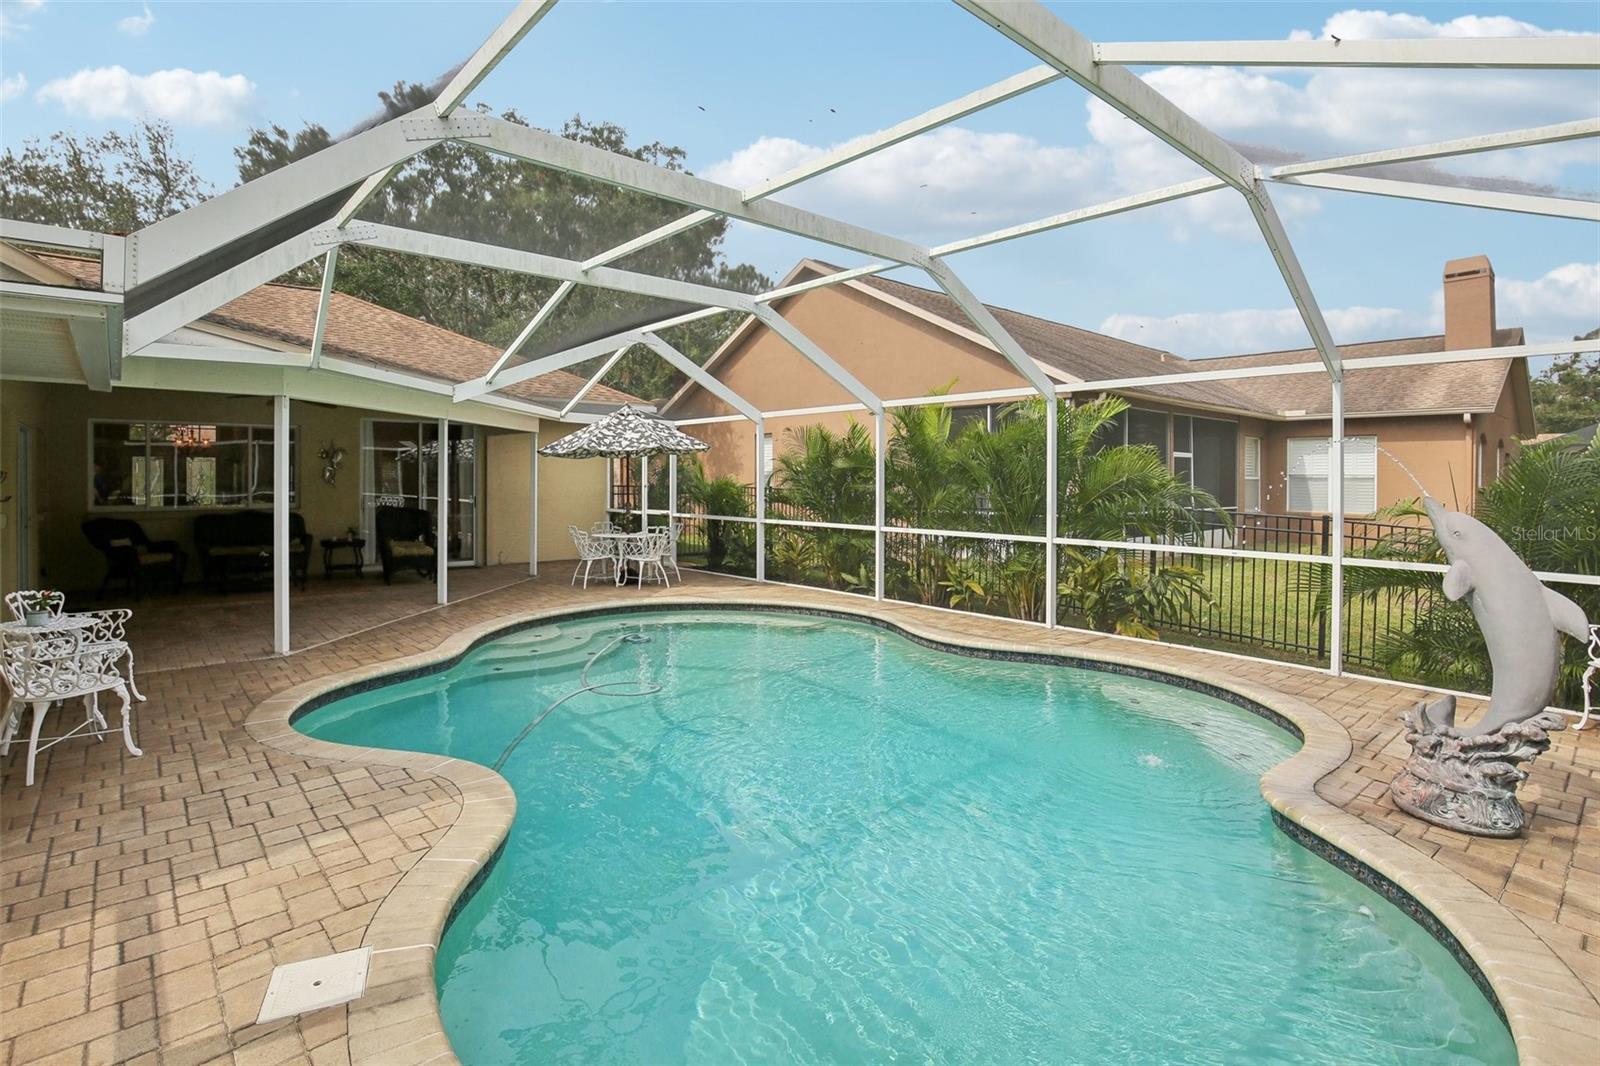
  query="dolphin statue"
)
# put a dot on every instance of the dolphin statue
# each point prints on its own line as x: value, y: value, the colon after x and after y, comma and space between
x: 1522, y: 621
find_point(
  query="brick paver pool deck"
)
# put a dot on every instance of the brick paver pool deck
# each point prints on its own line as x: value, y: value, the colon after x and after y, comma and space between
x: 146, y: 900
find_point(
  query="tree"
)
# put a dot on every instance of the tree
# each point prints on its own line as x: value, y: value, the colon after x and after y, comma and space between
x: 116, y: 182
x: 463, y: 191
x: 1566, y: 394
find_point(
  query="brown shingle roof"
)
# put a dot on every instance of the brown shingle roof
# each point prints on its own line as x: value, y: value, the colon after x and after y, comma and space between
x: 1452, y: 387
x: 1089, y: 356
x: 368, y: 333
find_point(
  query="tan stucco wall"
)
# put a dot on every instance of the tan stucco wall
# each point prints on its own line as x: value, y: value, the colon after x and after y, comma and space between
x: 571, y: 492
x: 1434, y: 448
x: 894, y: 353
x: 22, y: 403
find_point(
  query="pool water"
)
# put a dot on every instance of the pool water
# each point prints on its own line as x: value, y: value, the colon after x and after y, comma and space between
x: 818, y: 842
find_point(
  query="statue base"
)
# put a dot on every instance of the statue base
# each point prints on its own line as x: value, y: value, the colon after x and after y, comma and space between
x: 1469, y: 784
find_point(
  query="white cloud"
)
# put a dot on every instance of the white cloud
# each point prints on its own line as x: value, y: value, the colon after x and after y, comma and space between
x: 943, y: 183
x: 137, y: 25
x: 186, y: 97
x: 15, y: 85
x: 1557, y: 306
x: 1354, y: 25
x: 13, y: 14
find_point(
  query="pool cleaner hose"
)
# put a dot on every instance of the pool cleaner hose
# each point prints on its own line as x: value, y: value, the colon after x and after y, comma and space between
x: 634, y: 688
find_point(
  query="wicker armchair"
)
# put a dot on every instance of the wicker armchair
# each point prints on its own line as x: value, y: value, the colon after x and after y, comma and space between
x: 405, y: 541
x: 132, y: 557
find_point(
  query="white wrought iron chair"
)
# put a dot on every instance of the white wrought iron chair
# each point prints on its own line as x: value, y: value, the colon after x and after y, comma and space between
x: 1589, y: 676
x: 44, y: 667
x: 673, y: 532
x: 646, y: 551
x: 108, y: 628
x: 605, y: 525
x: 591, y: 550
x: 55, y: 601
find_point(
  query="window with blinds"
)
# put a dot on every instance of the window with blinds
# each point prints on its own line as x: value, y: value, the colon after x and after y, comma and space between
x: 1308, y: 474
x: 1252, y: 473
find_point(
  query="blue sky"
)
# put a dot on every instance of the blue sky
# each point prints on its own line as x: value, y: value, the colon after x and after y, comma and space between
x: 778, y: 82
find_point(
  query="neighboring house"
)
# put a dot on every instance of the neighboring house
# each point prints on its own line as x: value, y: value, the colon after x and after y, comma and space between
x: 1258, y: 444
x: 186, y: 428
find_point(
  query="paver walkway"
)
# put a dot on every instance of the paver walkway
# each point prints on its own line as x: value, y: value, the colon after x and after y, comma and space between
x: 145, y: 901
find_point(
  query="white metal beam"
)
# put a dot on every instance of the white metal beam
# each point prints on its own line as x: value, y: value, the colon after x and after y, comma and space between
x: 441, y: 535
x: 455, y: 249
x: 594, y: 380
x: 1547, y: 53
x: 524, y: 17
x: 944, y: 114
x: 1035, y: 28
x: 817, y: 357
x: 280, y: 524
x: 49, y: 236
x: 1488, y: 142
x: 655, y: 236
x: 319, y: 330
x: 200, y: 300
x: 699, y: 376
x: 470, y: 390
x: 187, y: 235
x: 990, y: 327
x: 1520, y: 203
x: 1083, y: 214
x: 858, y: 148
x: 559, y: 153
x: 540, y: 317
x: 93, y: 339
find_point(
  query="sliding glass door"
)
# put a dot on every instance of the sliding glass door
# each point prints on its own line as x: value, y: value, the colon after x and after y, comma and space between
x: 399, y: 468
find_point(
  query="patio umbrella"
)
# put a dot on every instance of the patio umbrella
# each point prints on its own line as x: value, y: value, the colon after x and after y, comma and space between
x: 624, y: 434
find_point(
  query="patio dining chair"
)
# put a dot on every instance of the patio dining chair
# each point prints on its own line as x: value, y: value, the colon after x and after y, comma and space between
x: 646, y: 551
x: 670, y: 557
x: 1589, y: 678
x: 42, y: 668
x: 605, y: 525
x: 54, y: 602
x: 591, y: 550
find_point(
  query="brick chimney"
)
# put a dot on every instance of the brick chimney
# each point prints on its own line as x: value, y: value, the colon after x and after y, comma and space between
x: 1468, y: 303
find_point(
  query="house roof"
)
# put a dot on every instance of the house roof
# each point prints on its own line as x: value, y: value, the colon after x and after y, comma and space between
x: 365, y: 332
x: 1083, y: 355
x: 1452, y: 387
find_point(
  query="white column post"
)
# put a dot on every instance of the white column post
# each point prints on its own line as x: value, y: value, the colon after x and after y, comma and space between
x: 1052, y: 405
x: 441, y: 534
x: 880, y: 454
x: 672, y: 489
x: 761, y: 499
x: 533, y: 504
x: 280, y: 524
x: 644, y: 493
x: 1336, y: 507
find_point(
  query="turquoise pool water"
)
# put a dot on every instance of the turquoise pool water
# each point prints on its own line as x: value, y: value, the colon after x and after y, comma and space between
x: 821, y: 843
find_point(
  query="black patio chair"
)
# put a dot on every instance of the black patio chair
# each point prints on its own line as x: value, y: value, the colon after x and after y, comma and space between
x: 132, y: 557
x: 405, y: 541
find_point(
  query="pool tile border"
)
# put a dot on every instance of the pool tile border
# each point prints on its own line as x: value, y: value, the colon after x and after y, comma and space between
x: 1552, y: 1016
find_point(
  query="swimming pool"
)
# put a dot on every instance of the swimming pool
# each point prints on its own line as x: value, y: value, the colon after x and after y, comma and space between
x: 786, y: 839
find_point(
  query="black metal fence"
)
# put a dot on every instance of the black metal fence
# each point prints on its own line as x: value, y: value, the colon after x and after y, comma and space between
x: 1277, y: 607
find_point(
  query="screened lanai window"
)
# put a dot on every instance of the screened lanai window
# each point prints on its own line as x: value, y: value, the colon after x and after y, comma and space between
x: 182, y: 464
x: 1308, y: 474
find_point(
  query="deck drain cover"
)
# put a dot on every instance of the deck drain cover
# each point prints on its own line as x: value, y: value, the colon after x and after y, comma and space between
x: 301, y: 987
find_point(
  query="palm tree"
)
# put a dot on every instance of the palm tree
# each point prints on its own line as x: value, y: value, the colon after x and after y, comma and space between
x: 714, y: 496
x: 1546, y: 506
x: 829, y: 477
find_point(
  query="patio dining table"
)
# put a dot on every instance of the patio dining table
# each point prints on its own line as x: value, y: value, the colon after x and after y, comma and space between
x: 55, y: 623
x: 618, y: 543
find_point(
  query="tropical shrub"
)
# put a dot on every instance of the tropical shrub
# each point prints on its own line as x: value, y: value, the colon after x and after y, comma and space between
x: 1546, y: 506
x: 717, y: 496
